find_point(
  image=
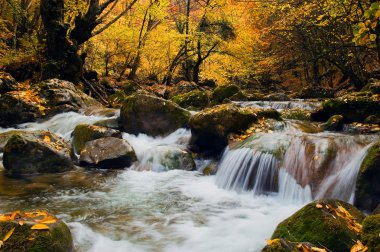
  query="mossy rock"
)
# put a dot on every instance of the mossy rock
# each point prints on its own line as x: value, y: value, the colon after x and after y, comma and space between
x: 130, y: 88
x: 108, y: 153
x: 282, y: 245
x: 152, y: 115
x: 373, y: 119
x: 56, y: 237
x: 193, y: 99
x: 315, y: 92
x: 325, y: 226
x: 239, y: 96
x: 7, y: 83
x: 335, y: 123
x: 296, y: 114
x: 37, y: 152
x: 354, y: 107
x: 177, y: 158
x: 84, y: 133
x: 221, y: 93
x: 211, y: 127
x: 371, y: 232
x: 367, y: 194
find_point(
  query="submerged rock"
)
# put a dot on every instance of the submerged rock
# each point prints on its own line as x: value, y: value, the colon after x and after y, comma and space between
x: 354, y: 107
x: 152, y: 115
x: 335, y: 123
x: 371, y: 232
x: 193, y: 99
x: 210, y: 128
x: 84, y: 133
x: 108, y: 153
x: 177, y: 158
x: 34, y: 231
x: 332, y: 224
x: 37, y: 152
x: 223, y: 92
x: 367, y: 194
x: 7, y: 83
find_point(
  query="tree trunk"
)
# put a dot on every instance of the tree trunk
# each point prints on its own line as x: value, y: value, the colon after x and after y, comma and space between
x: 63, y: 59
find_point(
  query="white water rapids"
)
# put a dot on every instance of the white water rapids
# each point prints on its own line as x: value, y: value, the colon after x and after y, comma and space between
x: 179, y: 210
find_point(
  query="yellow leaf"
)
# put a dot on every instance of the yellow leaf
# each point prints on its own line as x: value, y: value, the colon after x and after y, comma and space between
x: 358, y: 247
x: 1, y: 244
x: 6, y: 237
x: 47, y: 139
x: 315, y: 157
x: 318, y: 249
x: 319, y: 206
x: 40, y: 227
x: 272, y: 242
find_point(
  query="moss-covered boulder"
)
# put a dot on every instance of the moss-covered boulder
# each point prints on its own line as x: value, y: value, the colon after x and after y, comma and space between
x: 334, y: 123
x: 84, y: 133
x: 223, y: 92
x: 282, y: 245
x: 239, y: 96
x: 367, y: 194
x: 195, y: 99
x: 7, y: 83
x: 373, y: 119
x: 37, y: 152
x: 34, y: 231
x: 183, y: 87
x: 108, y: 153
x: 152, y: 115
x: 210, y: 128
x: 296, y: 114
x: 332, y: 224
x: 311, y: 92
x: 354, y: 107
x: 371, y: 232
x: 373, y: 86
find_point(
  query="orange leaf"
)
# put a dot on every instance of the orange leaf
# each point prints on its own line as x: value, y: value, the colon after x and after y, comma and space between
x: 40, y: 227
x: 6, y: 237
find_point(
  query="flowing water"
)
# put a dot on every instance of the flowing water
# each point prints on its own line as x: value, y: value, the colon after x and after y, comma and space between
x: 147, y: 208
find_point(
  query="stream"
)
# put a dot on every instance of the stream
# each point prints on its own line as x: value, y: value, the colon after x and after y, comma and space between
x: 146, y: 208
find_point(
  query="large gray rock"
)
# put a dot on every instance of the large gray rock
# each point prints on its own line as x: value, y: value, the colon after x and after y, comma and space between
x: 152, y: 115
x: 108, y: 153
x: 37, y: 152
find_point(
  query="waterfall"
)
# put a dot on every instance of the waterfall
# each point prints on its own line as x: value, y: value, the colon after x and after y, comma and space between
x: 298, y: 166
x: 281, y: 105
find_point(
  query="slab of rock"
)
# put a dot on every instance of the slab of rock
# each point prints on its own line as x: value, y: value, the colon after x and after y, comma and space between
x: 108, y: 153
x: 152, y: 115
x: 37, y: 152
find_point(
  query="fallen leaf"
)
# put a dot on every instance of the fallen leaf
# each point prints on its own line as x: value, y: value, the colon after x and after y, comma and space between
x: 274, y: 241
x: 318, y: 249
x: 319, y: 206
x: 1, y: 244
x: 47, y: 139
x: 358, y: 247
x: 315, y: 157
x: 40, y: 227
x: 6, y: 237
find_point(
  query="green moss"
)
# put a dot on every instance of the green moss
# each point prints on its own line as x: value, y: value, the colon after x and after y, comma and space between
x: 320, y: 226
x: 335, y: 123
x: 371, y: 232
x: 192, y: 99
x: 223, y: 92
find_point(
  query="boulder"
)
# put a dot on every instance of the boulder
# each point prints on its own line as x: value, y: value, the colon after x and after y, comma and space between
x: 152, y: 115
x: 37, y: 152
x: 37, y: 230
x: 239, y: 96
x: 335, y: 123
x: 371, y: 231
x: 332, y: 224
x: 108, y: 153
x: 84, y: 133
x: 210, y: 128
x: 7, y: 83
x: 176, y: 158
x: 63, y: 96
x: 193, y: 99
x: 223, y: 92
x: 373, y: 119
x: 373, y: 86
x: 367, y: 194
x: 19, y: 107
x: 311, y: 92
x: 354, y: 107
